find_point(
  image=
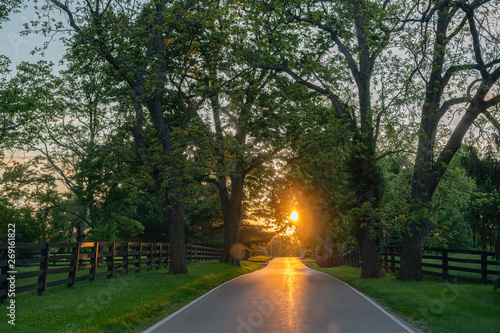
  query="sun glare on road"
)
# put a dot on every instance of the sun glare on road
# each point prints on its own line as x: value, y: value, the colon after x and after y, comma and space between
x: 294, y: 216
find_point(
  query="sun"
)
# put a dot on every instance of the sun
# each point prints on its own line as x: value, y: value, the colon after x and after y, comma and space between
x: 294, y: 216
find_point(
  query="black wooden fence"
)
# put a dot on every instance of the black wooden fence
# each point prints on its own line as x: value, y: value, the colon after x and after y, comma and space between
x: 448, y: 264
x: 38, y: 266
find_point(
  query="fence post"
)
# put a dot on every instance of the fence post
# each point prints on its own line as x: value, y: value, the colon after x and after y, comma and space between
x: 444, y: 260
x: 44, y: 265
x: 168, y: 255
x: 393, y: 260
x: 484, y: 267
x: 138, y: 264
x: 111, y: 260
x: 74, y: 264
x: 94, y: 262
x: 161, y: 256
x: 150, y: 256
x: 125, y: 264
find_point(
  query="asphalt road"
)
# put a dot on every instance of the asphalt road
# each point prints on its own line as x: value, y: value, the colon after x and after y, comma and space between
x: 287, y: 297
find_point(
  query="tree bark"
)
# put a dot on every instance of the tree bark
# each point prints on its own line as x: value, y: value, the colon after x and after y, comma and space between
x: 177, y: 239
x: 371, y: 266
x: 173, y: 213
x: 231, y: 212
x: 423, y: 174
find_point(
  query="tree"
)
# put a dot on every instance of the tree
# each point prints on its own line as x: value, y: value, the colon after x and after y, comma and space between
x: 243, y: 142
x: 247, y: 108
x: 339, y: 45
x: 7, y: 7
x: 29, y: 198
x: 151, y: 47
x: 483, y: 211
x: 449, y: 226
x: 459, y: 84
x: 72, y: 120
x: 7, y: 118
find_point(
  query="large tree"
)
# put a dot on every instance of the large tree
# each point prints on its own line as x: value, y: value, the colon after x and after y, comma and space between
x: 458, y: 63
x: 334, y: 48
x: 247, y: 135
x: 243, y: 118
x: 151, y: 46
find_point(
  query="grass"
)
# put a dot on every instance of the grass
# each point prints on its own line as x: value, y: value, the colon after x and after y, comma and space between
x: 123, y: 303
x: 260, y: 259
x: 433, y: 305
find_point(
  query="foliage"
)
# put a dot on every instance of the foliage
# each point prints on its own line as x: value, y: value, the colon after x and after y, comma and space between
x: 483, y: 210
x: 214, y: 118
x: 450, y: 227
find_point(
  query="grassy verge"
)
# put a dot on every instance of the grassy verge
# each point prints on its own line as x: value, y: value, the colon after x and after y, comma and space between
x: 436, y: 306
x: 124, y: 303
x: 260, y: 259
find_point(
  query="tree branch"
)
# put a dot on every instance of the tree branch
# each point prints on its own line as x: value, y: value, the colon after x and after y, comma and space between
x: 492, y: 119
x: 391, y: 152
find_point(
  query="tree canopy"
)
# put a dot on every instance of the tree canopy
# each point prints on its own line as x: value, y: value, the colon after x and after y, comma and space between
x: 211, y: 121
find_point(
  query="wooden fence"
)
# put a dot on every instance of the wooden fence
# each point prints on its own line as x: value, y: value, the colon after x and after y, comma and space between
x: 467, y: 265
x: 351, y: 258
x: 449, y: 264
x: 38, y: 266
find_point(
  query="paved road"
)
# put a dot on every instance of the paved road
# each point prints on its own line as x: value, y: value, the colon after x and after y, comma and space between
x: 286, y: 297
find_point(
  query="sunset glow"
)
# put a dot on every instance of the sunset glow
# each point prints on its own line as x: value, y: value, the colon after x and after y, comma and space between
x: 294, y: 216
x: 290, y: 231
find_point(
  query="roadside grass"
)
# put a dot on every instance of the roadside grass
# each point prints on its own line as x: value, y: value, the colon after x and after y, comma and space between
x: 260, y: 259
x: 433, y: 305
x: 124, y: 303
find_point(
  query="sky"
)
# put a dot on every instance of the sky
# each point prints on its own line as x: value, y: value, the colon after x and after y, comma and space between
x: 18, y: 47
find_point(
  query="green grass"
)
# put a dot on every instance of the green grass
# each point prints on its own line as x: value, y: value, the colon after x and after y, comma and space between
x: 123, y: 303
x: 435, y: 306
x: 260, y: 259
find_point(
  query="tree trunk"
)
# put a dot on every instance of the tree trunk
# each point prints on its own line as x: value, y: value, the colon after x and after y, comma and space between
x: 177, y: 239
x: 79, y: 232
x: 231, y: 212
x: 173, y: 213
x: 228, y: 236
x: 237, y: 247
x: 411, y: 251
x: 371, y: 266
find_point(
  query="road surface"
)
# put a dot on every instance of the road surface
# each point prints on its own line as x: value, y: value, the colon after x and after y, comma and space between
x: 284, y: 297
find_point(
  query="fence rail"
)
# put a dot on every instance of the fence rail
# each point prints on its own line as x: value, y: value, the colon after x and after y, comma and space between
x: 351, y: 258
x: 38, y: 266
x: 449, y: 264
